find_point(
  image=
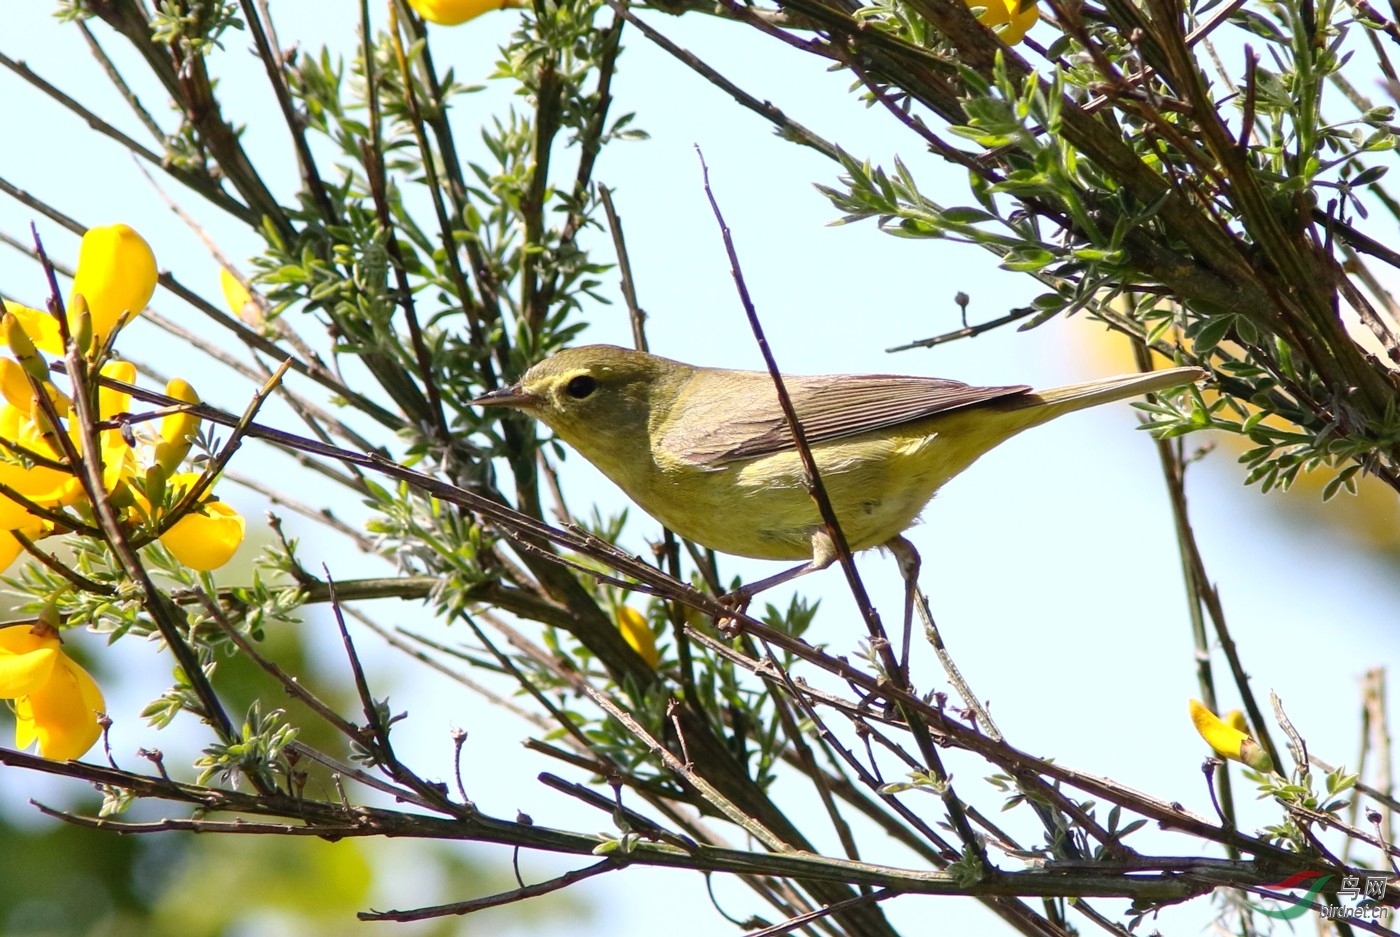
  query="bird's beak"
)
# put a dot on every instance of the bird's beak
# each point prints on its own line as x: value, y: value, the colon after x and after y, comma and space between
x: 512, y: 396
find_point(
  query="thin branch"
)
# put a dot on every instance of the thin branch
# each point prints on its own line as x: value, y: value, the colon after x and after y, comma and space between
x: 495, y: 901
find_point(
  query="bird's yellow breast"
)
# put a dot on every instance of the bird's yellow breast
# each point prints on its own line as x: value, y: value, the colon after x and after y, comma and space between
x: 878, y: 484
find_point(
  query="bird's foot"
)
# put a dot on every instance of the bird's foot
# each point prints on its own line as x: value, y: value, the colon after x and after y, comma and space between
x: 730, y: 626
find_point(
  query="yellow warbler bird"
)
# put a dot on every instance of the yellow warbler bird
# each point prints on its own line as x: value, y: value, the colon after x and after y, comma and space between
x: 708, y: 452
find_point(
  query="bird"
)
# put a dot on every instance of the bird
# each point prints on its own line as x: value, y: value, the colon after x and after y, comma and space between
x: 709, y: 453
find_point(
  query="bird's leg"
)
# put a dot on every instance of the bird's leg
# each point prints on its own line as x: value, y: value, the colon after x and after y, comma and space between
x: 908, y: 559
x: 823, y: 555
x: 909, y: 563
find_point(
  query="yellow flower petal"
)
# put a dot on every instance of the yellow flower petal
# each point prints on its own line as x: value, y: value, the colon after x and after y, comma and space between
x: 236, y: 295
x: 25, y: 734
x: 10, y: 548
x: 13, y: 516
x: 62, y: 714
x: 1227, y: 741
x: 42, y: 485
x: 41, y: 327
x: 637, y: 633
x: 19, y: 392
x: 111, y: 401
x: 118, y: 460
x: 177, y: 430
x: 14, y: 383
x: 1007, y: 18
x: 1224, y: 740
x: 456, y: 12
x: 1020, y: 22
x: 116, y: 275
x: 26, y: 660
x: 207, y: 537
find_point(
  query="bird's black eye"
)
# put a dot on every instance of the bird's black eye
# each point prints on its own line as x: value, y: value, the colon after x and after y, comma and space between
x: 580, y: 387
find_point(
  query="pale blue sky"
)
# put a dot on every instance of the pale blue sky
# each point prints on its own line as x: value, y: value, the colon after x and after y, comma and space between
x: 1034, y: 559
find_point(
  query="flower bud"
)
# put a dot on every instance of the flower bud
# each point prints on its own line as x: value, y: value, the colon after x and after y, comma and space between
x: 80, y: 322
x: 25, y: 352
x: 177, y: 430
x: 1229, y: 741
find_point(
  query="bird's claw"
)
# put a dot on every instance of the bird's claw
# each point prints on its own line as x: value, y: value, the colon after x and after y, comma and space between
x: 738, y: 602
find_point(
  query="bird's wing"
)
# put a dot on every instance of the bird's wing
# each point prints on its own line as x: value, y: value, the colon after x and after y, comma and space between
x: 736, y: 427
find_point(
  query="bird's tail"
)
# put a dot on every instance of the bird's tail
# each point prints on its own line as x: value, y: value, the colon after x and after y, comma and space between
x: 1026, y: 410
x: 1108, y: 389
x: 972, y: 431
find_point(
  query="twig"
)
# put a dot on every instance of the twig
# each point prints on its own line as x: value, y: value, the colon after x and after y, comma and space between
x: 624, y: 269
x: 790, y: 128
x: 968, y: 332
x: 493, y: 901
x: 812, y: 477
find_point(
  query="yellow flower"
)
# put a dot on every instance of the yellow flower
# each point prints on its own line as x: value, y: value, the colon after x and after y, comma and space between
x: 41, y: 327
x: 1235, y: 720
x: 14, y: 384
x: 45, y: 486
x: 56, y: 702
x: 10, y: 548
x: 118, y: 460
x: 236, y: 295
x: 177, y: 430
x: 637, y: 633
x: 116, y: 275
x: 457, y: 12
x: 208, y: 536
x: 1228, y: 737
x: 115, y: 279
x: 1009, y: 19
x: 237, y: 298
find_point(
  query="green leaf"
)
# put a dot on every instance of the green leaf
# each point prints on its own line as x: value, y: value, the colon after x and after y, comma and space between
x: 1212, y: 332
x: 1027, y: 259
x: 964, y: 215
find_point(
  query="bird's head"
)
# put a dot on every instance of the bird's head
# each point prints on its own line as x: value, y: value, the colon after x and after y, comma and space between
x: 596, y: 397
